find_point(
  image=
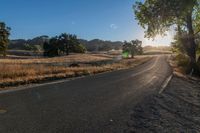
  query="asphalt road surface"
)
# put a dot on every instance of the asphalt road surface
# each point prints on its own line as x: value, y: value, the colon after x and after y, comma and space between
x: 94, y: 104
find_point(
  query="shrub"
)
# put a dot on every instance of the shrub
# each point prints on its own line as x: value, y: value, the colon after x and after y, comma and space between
x: 182, y: 60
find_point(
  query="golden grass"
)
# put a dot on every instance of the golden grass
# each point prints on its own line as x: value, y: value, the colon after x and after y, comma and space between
x: 16, y: 72
x: 66, y: 59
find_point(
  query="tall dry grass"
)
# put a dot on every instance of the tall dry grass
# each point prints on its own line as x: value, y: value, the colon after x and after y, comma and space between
x: 14, y: 72
x: 64, y: 59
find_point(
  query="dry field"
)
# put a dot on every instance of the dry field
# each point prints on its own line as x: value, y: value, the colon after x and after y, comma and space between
x: 24, y: 71
x: 65, y: 59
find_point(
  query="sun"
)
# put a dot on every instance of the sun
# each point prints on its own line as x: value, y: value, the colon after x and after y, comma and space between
x: 159, y: 40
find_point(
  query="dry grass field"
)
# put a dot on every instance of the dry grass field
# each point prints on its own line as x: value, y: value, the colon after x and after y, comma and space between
x: 23, y: 71
x: 66, y: 59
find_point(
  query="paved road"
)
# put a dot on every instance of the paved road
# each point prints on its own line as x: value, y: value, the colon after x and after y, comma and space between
x: 95, y: 104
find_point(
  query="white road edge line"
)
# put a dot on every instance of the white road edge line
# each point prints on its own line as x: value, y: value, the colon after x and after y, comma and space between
x: 164, y: 85
x: 32, y: 86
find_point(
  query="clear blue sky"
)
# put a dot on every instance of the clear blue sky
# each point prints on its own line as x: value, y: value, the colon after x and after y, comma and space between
x: 88, y: 19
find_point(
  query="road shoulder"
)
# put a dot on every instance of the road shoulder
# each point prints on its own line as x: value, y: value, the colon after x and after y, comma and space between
x: 175, y: 110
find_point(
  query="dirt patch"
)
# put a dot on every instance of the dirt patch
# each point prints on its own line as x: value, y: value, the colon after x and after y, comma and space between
x: 176, y: 110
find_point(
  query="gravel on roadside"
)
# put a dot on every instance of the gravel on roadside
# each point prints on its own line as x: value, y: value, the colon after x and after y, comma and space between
x: 176, y: 110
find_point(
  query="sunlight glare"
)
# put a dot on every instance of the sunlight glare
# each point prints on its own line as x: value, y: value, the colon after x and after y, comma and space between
x: 159, y: 40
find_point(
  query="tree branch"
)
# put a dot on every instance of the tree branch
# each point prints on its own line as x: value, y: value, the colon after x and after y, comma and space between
x: 197, y: 32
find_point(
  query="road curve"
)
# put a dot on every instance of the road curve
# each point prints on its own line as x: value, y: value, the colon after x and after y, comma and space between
x: 94, y: 104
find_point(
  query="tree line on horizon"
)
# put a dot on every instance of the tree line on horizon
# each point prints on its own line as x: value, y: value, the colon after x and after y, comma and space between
x: 63, y: 44
x: 36, y: 44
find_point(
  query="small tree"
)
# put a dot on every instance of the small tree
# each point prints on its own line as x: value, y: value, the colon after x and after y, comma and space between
x: 69, y: 43
x: 138, y: 46
x: 126, y: 48
x: 4, y: 35
x: 133, y: 48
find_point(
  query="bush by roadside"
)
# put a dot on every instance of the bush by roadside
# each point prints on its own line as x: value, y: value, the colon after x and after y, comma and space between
x: 182, y: 60
x: 180, y: 63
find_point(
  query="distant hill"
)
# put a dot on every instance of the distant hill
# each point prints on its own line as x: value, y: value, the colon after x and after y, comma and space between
x: 101, y: 45
x: 93, y: 45
x: 20, y: 44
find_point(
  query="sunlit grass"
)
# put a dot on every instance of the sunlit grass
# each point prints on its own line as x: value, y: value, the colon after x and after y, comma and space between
x: 66, y: 59
x: 35, y: 70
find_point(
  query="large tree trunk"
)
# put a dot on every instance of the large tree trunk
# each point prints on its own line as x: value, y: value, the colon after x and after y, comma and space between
x: 193, y: 68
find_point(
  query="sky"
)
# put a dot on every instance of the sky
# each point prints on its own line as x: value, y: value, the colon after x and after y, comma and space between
x: 89, y: 19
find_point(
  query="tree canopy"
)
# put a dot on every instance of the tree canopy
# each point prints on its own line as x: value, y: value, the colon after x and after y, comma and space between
x: 4, y: 38
x: 133, y: 48
x: 158, y: 16
x: 63, y: 44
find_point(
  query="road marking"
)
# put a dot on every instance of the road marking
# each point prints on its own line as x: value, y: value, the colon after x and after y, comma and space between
x: 34, y: 85
x: 136, y: 74
x: 154, y: 77
x: 164, y: 85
